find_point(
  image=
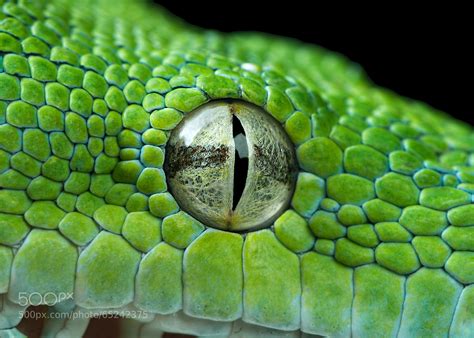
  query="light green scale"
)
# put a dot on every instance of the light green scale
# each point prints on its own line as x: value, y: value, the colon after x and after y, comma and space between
x: 357, y: 218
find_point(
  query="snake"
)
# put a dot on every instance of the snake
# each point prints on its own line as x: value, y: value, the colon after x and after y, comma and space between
x: 221, y: 184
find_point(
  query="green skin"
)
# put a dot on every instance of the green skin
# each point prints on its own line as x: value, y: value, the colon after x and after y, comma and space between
x: 377, y: 240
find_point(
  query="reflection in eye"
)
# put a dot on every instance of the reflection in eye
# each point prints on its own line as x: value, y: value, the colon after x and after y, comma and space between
x: 231, y: 165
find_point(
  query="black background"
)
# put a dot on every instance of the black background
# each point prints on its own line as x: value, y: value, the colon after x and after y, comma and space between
x: 422, y: 53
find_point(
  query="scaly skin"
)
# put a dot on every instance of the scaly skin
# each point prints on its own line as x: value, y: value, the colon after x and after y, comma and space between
x: 378, y: 240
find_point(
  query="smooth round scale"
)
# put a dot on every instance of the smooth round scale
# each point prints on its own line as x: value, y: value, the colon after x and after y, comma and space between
x: 201, y: 165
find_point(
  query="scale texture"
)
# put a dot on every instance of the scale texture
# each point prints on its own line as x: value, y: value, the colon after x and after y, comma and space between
x: 377, y: 240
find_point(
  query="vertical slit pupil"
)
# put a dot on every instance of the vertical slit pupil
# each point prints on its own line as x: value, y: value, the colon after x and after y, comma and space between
x: 241, y: 160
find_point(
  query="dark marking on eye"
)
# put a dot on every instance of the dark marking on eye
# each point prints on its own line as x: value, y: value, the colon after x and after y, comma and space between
x: 265, y: 163
x: 182, y: 157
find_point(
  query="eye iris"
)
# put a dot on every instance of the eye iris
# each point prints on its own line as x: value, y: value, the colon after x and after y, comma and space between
x: 231, y: 165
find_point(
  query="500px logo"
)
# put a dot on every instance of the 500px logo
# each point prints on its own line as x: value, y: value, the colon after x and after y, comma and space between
x: 48, y: 298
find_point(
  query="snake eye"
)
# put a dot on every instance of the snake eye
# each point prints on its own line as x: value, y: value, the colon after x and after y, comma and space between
x: 231, y: 166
